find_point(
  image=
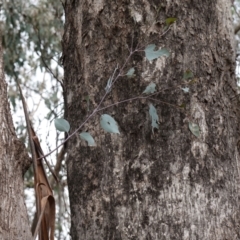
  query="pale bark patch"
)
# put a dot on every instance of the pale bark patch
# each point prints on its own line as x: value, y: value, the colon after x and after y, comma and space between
x: 136, y: 15
x: 198, y: 147
x: 96, y: 7
x: 225, y: 17
x: 160, y: 65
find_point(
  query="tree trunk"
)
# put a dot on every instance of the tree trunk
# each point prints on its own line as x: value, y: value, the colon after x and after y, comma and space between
x: 166, y: 183
x: 14, y: 223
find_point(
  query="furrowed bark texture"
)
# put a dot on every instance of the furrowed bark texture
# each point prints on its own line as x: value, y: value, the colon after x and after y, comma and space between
x: 143, y: 185
x: 14, y: 223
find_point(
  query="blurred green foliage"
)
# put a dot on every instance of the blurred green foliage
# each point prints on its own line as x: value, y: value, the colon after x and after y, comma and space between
x: 31, y: 32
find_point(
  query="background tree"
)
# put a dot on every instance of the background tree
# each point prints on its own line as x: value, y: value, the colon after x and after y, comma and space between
x: 145, y: 184
x: 14, y: 222
x: 31, y: 37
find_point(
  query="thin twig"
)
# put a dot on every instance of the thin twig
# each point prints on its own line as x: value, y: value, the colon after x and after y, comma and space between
x: 106, y: 93
x: 95, y: 110
x: 140, y: 49
x: 172, y: 105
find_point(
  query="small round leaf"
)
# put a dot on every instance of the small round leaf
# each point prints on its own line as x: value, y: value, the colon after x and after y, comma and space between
x: 194, y: 128
x: 87, y: 137
x: 150, y: 88
x: 187, y: 74
x: 152, y: 54
x: 130, y: 72
x: 62, y: 125
x: 186, y: 89
x: 109, y: 124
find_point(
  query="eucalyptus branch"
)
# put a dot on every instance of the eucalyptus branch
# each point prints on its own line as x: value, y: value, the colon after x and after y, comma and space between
x: 96, y: 109
x: 114, y: 104
x: 151, y: 54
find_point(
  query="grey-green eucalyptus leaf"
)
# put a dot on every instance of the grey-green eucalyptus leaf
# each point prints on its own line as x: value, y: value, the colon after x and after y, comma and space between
x: 87, y: 137
x: 109, y: 124
x: 186, y: 89
x: 194, y: 128
x: 150, y: 88
x: 152, y: 54
x: 62, y: 125
x: 154, y: 116
x: 130, y: 72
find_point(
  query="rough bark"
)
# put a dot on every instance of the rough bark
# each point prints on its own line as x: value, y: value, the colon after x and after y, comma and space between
x: 14, y: 223
x: 140, y: 185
